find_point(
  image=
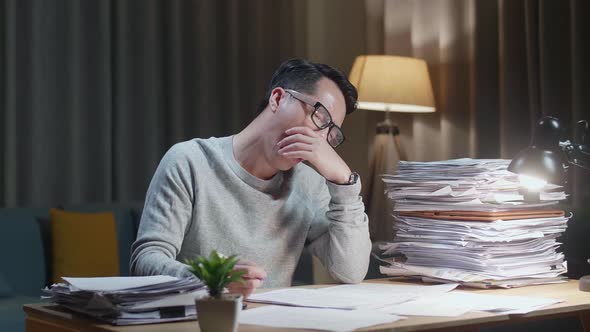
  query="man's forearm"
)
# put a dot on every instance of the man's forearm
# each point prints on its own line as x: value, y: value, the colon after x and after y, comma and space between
x: 345, y: 252
x: 345, y: 247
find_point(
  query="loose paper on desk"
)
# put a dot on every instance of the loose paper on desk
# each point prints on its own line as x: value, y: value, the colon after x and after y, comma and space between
x: 457, y: 303
x: 315, y: 319
x: 348, y: 297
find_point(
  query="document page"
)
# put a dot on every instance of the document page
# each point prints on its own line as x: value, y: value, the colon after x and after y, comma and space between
x: 361, y: 296
x: 457, y: 303
x: 116, y: 283
x: 316, y: 319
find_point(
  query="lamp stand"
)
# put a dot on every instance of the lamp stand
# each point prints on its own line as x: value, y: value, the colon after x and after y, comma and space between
x: 387, y: 126
x: 383, y: 159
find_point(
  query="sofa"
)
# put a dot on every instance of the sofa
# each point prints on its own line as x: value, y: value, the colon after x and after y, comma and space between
x: 23, y: 269
x: 25, y: 249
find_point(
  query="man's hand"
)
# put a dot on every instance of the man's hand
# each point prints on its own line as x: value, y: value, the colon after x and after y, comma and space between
x: 306, y: 144
x: 254, y: 277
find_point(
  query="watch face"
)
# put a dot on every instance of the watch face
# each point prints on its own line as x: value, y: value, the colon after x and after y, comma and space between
x: 353, y: 178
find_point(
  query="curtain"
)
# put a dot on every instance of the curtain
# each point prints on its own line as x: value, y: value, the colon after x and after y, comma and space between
x: 93, y: 93
x: 496, y: 67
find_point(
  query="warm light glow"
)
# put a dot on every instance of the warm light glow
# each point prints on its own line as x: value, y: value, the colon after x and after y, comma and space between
x: 531, y: 183
x: 373, y: 106
x: 392, y: 83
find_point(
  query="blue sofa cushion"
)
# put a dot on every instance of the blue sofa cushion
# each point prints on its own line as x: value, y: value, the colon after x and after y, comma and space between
x: 21, y: 251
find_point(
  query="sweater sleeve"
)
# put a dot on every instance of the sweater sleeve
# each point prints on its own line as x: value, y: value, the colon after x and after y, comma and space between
x: 166, y: 217
x: 339, y: 233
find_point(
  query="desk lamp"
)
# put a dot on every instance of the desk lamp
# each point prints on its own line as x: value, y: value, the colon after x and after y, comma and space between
x: 547, y: 159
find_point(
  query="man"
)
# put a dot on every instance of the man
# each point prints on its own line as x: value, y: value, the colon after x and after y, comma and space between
x: 251, y: 195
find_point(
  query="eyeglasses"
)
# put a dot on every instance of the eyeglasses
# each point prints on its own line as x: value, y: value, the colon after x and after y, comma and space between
x: 321, y: 118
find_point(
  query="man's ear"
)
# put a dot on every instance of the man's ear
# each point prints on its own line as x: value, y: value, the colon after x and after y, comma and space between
x: 275, y: 98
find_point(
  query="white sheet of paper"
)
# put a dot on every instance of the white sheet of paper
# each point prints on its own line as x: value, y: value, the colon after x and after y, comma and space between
x: 183, y: 299
x: 108, y: 284
x: 427, y: 307
x: 304, y: 298
x: 501, y: 303
x: 360, y: 296
x: 316, y: 319
x: 373, y: 295
x: 457, y: 303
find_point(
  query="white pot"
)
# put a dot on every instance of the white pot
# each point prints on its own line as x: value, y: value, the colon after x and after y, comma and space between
x: 219, y: 315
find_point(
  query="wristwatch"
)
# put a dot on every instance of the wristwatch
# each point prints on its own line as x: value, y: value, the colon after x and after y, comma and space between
x: 353, y: 178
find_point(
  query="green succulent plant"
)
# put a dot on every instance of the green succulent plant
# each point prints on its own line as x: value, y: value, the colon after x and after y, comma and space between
x: 216, y: 271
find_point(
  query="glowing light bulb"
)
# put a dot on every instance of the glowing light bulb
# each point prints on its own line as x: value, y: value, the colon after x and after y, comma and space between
x: 531, y: 183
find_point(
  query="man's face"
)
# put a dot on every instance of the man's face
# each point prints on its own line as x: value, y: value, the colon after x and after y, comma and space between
x: 292, y: 112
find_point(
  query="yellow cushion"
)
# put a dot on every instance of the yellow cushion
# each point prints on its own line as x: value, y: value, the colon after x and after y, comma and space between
x: 84, y: 244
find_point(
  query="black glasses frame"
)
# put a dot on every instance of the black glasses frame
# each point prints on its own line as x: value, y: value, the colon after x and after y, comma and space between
x: 316, y: 107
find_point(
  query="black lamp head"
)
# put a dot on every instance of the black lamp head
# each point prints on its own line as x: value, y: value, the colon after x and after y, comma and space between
x: 543, y: 159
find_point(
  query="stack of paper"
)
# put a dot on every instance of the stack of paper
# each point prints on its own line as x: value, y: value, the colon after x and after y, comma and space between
x: 130, y: 300
x: 461, y: 184
x: 465, y: 221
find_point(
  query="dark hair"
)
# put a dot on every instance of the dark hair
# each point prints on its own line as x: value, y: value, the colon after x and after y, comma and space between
x: 302, y: 75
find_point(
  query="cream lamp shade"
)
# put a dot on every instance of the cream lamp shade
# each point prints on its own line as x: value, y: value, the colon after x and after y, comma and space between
x: 392, y: 84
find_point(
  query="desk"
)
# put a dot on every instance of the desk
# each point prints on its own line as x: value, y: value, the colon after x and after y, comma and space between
x: 50, y: 318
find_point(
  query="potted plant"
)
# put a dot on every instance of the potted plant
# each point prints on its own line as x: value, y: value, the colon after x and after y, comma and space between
x: 219, y: 311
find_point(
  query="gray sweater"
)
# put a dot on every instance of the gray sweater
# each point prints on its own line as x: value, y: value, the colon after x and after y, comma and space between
x: 201, y: 199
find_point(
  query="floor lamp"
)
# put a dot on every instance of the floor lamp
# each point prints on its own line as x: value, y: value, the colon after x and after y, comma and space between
x: 388, y: 84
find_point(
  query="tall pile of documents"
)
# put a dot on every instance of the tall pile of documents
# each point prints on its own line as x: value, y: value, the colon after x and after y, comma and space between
x: 130, y: 300
x: 466, y: 221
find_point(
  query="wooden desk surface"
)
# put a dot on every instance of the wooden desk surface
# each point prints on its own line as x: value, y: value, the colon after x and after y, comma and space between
x: 50, y: 317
